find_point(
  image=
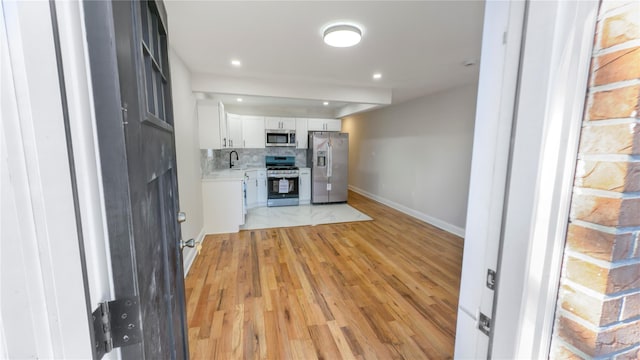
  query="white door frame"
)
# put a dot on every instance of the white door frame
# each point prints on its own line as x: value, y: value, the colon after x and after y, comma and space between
x: 497, y: 85
x: 51, y: 185
x: 528, y: 218
x: 43, y: 249
x: 558, y: 43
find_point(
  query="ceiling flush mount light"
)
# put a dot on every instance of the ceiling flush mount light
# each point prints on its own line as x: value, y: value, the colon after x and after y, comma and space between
x: 236, y: 63
x: 325, y: 103
x: 343, y: 35
x: 239, y: 99
x: 377, y: 76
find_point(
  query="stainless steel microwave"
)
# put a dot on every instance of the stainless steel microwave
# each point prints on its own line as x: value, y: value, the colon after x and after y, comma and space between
x: 281, y: 137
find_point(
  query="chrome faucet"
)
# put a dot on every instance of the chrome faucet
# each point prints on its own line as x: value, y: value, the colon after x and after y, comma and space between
x: 230, y: 161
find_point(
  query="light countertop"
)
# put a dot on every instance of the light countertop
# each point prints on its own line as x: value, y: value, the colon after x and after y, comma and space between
x: 235, y: 174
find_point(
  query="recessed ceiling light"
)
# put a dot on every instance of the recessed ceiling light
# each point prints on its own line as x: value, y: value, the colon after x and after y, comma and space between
x: 343, y: 35
x: 325, y: 103
x: 377, y: 76
x: 236, y: 63
x: 239, y: 99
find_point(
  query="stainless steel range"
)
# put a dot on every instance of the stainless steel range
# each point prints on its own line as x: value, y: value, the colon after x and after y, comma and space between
x: 282, y: 180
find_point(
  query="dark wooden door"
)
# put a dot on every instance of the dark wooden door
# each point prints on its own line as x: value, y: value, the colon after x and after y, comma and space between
x: 132, y: 92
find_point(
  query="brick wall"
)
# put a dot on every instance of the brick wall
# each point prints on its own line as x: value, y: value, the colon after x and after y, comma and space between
x: 598, y: 310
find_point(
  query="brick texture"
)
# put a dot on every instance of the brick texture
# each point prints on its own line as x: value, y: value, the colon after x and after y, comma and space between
x: 606, y: 211
x: 621, y: 28
x: 598, y: 308
x: 608, y: 175
x: 561, y: 352
x: 596, y: 344
x: 587, y: 274
x: 611, y: 139
x: 617, y: 103
x: 618, y: 66
x: 609, y: 6
x: 577, y: 335
x: 617, y: 338
x: 630, y: 307
x: 598, y: 244
x: 596, y: 311
x: 632, y: 354
x: 624, y: 278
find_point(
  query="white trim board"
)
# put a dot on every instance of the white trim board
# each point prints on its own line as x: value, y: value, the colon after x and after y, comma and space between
x: 191, y: 255
x: 456, y: 230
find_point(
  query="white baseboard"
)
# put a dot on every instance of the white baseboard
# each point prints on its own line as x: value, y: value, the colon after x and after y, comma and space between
x: 191, y: 254
x: 456, y: 230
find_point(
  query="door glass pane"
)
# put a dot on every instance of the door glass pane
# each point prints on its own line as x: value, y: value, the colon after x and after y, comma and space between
x: 149, y: 88
x: 162, y: 60
x: 155, y: 36
x: 145, y: 22
x: 156, y: 67
x: 168, y: 111
x: 160, y: 95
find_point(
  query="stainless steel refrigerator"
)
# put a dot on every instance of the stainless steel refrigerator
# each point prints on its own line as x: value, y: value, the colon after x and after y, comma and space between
x: 328, y: 156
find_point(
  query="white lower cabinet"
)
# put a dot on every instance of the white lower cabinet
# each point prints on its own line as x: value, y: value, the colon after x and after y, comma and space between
x: 222, y: 205
x: 262, y: 187
x: 304, y: 188
x: 256, y: 188
x: 251, y: 183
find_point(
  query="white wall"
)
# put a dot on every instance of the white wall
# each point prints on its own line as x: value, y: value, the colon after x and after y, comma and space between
x: 416, y: 156
x: 187, y: 153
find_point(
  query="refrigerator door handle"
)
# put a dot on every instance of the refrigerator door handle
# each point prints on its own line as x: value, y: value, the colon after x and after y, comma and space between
x: 329, y: 160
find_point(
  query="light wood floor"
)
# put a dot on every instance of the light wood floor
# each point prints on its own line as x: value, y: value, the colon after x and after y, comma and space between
x: 383, y: 289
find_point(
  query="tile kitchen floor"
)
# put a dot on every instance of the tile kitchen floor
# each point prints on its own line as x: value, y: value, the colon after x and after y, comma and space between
x: 286, y: 216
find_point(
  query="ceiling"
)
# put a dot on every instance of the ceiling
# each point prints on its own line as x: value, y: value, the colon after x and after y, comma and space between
x: 419, y: 47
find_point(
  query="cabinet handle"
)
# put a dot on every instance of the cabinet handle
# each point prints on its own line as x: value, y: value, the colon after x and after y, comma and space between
x: 225, y: 142
x: 244, y: 143
x: 256, y: 182
x: 230, y: 143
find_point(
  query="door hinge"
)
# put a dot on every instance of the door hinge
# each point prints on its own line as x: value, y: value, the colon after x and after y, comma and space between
x: 125, y: 110
x: 484, y: 324
x: 116, y: 324
x: 491, y: 279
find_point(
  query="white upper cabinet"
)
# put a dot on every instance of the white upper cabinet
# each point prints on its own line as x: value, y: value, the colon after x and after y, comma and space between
x: 302, y: 137
x: 271, y: 122
x: 209, y: 120
x: 234, y: 125
x: 333, y: 125
x: 282, y: 123
x: 253, y: 133
x: 224, y: 131
x: 288, y: 123
x: 324, y: 124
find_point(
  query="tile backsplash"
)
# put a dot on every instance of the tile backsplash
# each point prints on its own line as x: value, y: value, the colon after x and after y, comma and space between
x: 211, y: 160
